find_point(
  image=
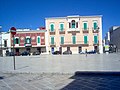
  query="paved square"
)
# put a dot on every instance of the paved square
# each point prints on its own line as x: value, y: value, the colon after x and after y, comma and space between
x: 49, y: 72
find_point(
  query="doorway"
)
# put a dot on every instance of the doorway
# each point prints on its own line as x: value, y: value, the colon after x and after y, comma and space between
x: 96, y: 49
x: 79, y: 49
x: 52, y: 49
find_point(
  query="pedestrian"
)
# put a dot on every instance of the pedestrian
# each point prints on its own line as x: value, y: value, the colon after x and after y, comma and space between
x: 49, y: 51
x: 86, y: 52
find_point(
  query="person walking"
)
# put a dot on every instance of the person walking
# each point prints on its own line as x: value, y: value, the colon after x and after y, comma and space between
x: 86, y: 52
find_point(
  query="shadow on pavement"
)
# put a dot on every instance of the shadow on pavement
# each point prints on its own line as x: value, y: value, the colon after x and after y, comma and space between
x: 94, y: 81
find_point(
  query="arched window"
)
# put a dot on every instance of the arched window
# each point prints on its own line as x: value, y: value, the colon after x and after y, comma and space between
x: 73, y: 23
x: 38, y: 40
x: 52, y: 27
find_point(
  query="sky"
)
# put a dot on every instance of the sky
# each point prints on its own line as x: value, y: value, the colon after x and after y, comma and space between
x: 32, y: 13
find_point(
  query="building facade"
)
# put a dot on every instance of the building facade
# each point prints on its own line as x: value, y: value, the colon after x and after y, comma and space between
x: 29, y: 40
x: 75, y: 33
x: 115, y: 37
x: 6, y: 43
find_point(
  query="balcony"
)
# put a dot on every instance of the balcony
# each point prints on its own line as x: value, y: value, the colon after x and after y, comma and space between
x: 61, y: 32
x: 95, y: 30
x: 52, y: 44
x: 85, y: 30
x: 73, y: 30
x: 76, y: 44
x: 52, y: 32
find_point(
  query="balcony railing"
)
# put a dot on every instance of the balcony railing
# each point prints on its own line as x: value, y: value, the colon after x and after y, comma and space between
x: 70, y: 30
x: 85, y: 30
x: 52, y: 32
x: 95, y: 30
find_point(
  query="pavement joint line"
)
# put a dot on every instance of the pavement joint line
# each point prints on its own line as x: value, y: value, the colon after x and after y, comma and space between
x: 6, y: 84
x: 29, y: 84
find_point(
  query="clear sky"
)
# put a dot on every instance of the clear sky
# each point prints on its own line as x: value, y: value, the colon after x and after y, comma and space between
x: 32, y: 13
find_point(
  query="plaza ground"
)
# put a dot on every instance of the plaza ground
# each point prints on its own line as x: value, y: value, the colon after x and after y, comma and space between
x: 61, y: 63
x: 57, y: 72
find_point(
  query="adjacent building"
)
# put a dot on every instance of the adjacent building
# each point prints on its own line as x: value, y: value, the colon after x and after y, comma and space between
x: 115, y: 37
x: 75, y: 33
x: 29, y: 40
x: 6, y: 43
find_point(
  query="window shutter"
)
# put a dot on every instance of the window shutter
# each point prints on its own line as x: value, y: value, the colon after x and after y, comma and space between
x: 85, y: 39
x: 62, y: 40
x: 52, y: 27
x: 74, y: 39
x: 52, y: 40
x: 85, y: 26
x: 61, y: 27
x: 95, y: 25
x: 95, y: 39
x: 14, y: 40
x: 38, y: 40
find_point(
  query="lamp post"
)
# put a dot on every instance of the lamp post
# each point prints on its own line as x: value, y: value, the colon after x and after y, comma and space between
x: 13, y: 32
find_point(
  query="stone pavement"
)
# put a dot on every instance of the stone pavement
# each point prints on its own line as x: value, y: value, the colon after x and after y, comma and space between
x: 59, y: 82
x: 61, y: 63
x: 57, y: 72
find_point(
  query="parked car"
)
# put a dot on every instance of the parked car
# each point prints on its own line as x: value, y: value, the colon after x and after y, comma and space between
x: 10, y: 54
x: 67, y: 52
x: 56, y: 52
x: 91, y: 52
x: 36, y: 53
x: 25, y: 53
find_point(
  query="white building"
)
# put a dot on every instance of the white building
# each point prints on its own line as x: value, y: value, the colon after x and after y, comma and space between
x: 6, y: 44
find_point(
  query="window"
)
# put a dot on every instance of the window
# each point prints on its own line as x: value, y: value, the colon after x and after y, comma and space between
x: 17, y: 41
x: 61, y: 27
x: 52, y: 27
x: 62, y: 40
x: 73, y: 23
x: 85, y: 25
x: 95, y: 25
x: 74, y: 39
x: 28, y: 41
x: 5, y: 43
x: 95, y: 39
x: 38, y: 40
x: 85, y: 39
x: 52, y: 40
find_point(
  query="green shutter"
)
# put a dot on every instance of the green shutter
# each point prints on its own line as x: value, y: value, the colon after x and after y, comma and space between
x: 73, y: 24
x: 62, y: 40
x: 74, y: 40
x: 95, y: 25
x: 14, y: 41
x: 61, y: 27
x: 38, y: 40
x: 85, y: 26
x: 52, y: 40
x: 85, y: 40
x: 95, y: 39
x: 52, y: 27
